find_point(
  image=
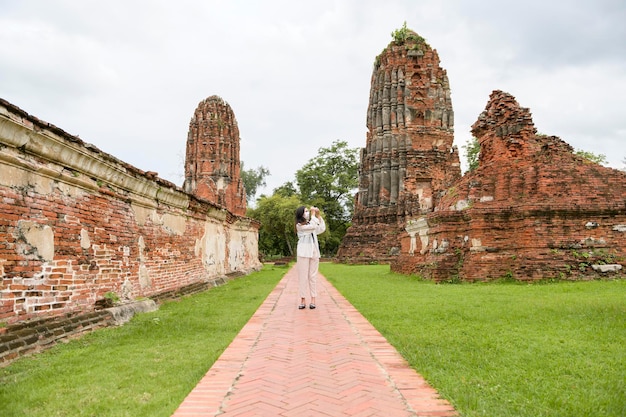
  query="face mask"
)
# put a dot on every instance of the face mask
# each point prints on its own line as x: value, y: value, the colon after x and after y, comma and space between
x: 307, y: 214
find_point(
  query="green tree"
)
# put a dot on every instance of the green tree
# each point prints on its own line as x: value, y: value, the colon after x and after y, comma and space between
x: 599, y: 158
x: 472, y: 153
x: 277, y: 236
x: 286, y: 190
x: 329, y: 181
x: 252, y: 180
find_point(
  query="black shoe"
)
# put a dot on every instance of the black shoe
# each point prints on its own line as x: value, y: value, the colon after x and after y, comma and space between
x: 311, y: 306
x: 301, y: 307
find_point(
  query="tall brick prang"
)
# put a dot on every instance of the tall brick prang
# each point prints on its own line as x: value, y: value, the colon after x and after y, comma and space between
x: 409, y: 157
x: 212, y: 165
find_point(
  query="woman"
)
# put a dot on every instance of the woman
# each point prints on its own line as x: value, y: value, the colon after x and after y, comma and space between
x: 309, y: 224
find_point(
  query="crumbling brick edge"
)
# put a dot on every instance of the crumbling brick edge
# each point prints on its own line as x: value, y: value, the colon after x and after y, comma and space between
x: 37, y: 335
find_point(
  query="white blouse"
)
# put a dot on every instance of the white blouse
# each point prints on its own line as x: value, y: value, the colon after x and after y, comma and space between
x: 308, y: 246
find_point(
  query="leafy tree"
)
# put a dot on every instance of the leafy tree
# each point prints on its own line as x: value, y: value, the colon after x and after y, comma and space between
x: 277, y: 216
x: 277, y: 235
x: 593, y: 157
x: 328, y: 181
x: 252, y: 180
x: 472, y: 153
x: 286, y: 190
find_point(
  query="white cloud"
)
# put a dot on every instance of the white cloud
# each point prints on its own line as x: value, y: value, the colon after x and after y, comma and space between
x: 127, y: 75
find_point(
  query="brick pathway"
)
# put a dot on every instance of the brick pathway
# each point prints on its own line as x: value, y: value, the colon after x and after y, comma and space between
x: 324, y: 362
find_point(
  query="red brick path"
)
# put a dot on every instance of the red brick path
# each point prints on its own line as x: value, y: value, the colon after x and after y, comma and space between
x: 324, y: 362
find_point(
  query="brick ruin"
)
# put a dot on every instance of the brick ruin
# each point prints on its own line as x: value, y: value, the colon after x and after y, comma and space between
x: 409, y: 158
x: 212, y: 165
x: 77, y: 223
x: 531, y: 210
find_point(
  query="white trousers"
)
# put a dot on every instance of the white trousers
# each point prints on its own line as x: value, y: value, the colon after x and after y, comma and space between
x: 307, y: 276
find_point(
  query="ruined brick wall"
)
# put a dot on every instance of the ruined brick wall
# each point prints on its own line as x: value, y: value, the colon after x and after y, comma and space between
x: 76, y: 223
x: 212, y: 165
x: 531, y: 210
x: 408, y: 158
x: 31, y: 336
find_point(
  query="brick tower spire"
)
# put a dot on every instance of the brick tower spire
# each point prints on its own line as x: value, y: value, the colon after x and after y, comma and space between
x: 212, y: 166
x: 408, y: 157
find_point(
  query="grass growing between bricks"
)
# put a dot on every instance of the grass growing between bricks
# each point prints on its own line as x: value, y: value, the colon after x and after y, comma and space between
x: 144, y: 368
x: 502, y: 349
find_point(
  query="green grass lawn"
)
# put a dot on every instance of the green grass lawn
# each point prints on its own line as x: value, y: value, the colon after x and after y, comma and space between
x: 496, y: 350
x: 502, y: 349
x: 144, y: 368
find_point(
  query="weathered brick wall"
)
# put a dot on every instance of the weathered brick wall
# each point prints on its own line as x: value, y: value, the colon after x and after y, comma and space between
x: 531, y: 210
x: 36, y: 335
x: 76, y: 223
x: 409, y: 157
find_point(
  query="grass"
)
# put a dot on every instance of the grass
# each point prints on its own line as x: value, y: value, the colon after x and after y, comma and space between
x: 144, y: 368
x: 505, y: 349
x: 496, y: 350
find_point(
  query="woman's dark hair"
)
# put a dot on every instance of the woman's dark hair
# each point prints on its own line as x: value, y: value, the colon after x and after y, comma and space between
x: 300, y: 215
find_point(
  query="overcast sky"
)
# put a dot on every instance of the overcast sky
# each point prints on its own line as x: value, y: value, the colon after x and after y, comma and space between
x: 127, y: 75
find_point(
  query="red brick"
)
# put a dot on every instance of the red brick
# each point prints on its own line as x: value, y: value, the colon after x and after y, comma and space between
x: 213, y: 143
x: 409, y: 157
x: 521, y: 214
x: 528, y: 203
x: 79, y: 274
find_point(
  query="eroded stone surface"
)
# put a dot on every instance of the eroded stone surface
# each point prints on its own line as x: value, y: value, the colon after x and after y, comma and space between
x: 76, y: 223
x: 532, y: 209
x: 408, y: 159
x: 212, y: 166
